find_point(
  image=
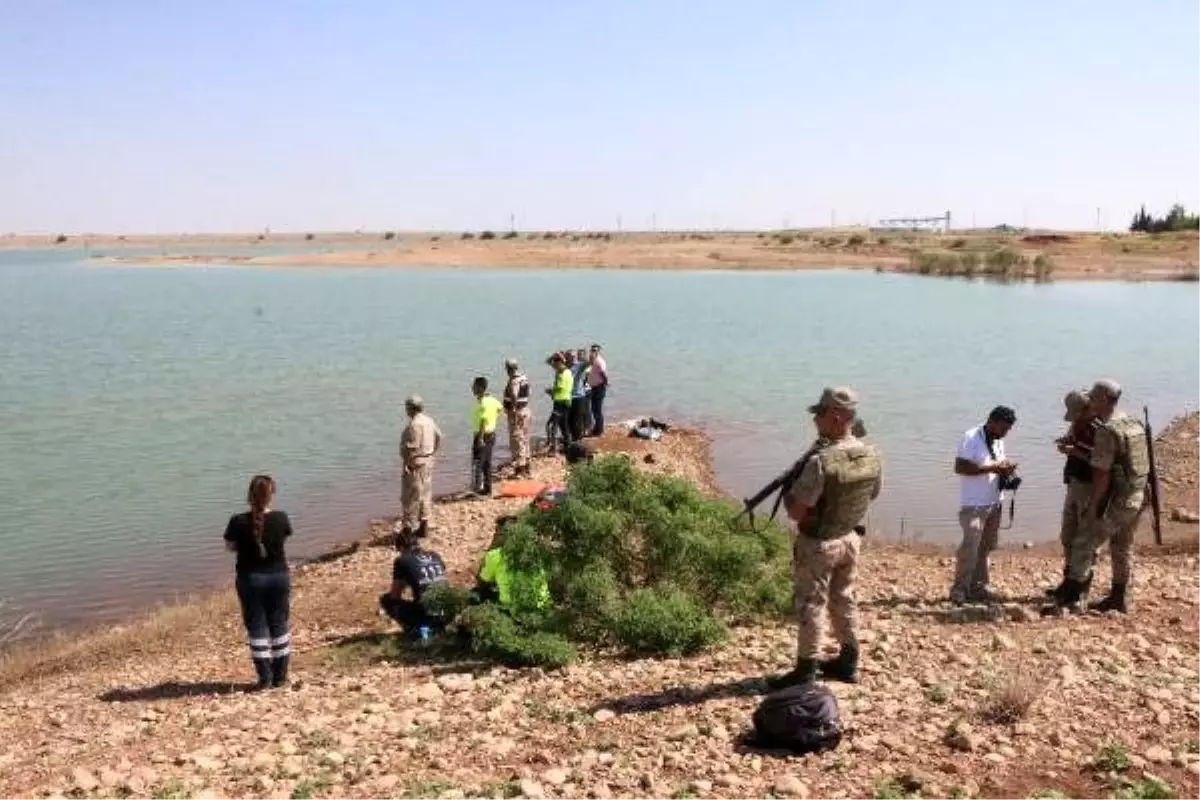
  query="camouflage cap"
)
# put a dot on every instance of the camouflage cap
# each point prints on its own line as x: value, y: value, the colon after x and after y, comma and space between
x: 1106, y: 387
x: 839, y: 397
x: 1075, y: 401
x: 415, y: 401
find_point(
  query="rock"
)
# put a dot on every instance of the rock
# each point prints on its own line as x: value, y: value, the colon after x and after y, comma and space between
x: 601, y: 791
x: 701, y: 786
x: 1002, y: 642
x: 603, y: 715
x: 207, y: 763
x: 333, y: 759
x: 1067, y: 674
x: 962, y: 736
x: 791, y: 786
x: 683, y: 732
x: 1024, y: 729
x: 84, y: 780
x: 264, y: 783
x: 1181, y: 514
x: 727, y: 780
x: 555, y: 776
x: 110, y: 778
x: 1157, y: 755
x: 385, y: 784
x: 1018, y: 613
x: 502, y: 746
x: 429, y: 692
x: 262, y: 761
x: 532, y: 789
x: 455, y: 681
x: 1163, y: 718
x: 1194, y: 768
x: 995, y: 758
x: 864, y: 744
x: 292, y: 767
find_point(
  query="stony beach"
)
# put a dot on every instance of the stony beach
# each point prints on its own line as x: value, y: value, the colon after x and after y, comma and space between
x: 971, y: 701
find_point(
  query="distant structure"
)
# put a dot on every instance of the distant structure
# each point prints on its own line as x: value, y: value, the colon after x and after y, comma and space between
x: 939, y: 223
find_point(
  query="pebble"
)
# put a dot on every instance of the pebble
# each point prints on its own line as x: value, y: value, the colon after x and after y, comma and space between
x: 1002, y: 642
x: 429, y: 692
x: 995, y: 758
x: 1157, y: 755
x: 701, y: 786
x: 791, y: 786
x: 683, y: 732
x: 84, y: 779
x: 333, y: 759
x: 292, y: 766
x: 555, y: 776
x: 532, y: 789
x: 604, y: 715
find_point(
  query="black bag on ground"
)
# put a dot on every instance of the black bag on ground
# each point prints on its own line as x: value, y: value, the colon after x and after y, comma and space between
x: 803, y: 719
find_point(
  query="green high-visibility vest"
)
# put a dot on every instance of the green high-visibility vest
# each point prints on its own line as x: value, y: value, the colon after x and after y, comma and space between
x: 495, y: 570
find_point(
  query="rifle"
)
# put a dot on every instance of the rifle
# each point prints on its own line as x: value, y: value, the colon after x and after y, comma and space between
x: 1152, y: 483
x: 782, y: 484
x: 785, y: 481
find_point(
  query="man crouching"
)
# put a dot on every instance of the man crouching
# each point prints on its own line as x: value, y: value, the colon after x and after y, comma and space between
x: 839, y: 480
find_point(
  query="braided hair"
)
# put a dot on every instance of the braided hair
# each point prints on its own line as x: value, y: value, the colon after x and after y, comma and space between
x: 259, y: 496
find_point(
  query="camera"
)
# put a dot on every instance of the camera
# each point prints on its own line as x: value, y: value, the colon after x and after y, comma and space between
x: 1010, y: 483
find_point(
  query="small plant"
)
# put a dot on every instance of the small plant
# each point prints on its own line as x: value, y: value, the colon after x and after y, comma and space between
x: 308, y: 237
x: 892, y: 788
x: 1043, y: 267
x: 429, y: 788
x: 1047, y: 794
x: 468, y: 235
x: 319, y: 740
x: 1113, y: 757
x: 958, y: 244
x: 303, y: 790
x: 531, y: 236
x: 1147, y: 789
x: 510, y: 235
x: 387, y: 237
x: 60, y: 239
x: 666, y: 622
x: 856, y: 240
x: 549, y: 235
x: 172, y: 789
x: 937, y: 694
x: 683, y: 792
x: 786, y: 239
x: 506, y: 789
x: 487, y: 235
x: 1011, y: 698
x: 435, y: 238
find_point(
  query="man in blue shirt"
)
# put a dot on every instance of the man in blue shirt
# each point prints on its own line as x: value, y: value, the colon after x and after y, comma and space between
x: 415, y: 570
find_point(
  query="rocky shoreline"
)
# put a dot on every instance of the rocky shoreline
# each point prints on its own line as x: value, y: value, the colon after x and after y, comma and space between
x: 153, y: 709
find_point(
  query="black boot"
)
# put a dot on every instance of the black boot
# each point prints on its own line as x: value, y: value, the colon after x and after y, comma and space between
x: 1057, y: 590
x: 1087, y: 584
x: 1067, y: 598
x: 423, y: 530
x: 1114, y: 602
x: 262, y: 666
x: 805, y: 672
x: 279, y: 670
x: 843, y: 668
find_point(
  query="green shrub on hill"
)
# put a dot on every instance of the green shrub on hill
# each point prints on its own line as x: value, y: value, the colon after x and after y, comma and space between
x: 642, y: 563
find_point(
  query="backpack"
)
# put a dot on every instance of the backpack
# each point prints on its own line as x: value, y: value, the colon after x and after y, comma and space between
x: 803, y: 719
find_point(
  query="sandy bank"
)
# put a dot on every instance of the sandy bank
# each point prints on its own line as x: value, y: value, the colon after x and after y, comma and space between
x: 1075, y: 256
x: 149, y: 711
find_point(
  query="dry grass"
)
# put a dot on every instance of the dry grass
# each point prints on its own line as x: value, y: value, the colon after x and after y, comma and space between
x: 166, y: 628
x: 1011, y: 697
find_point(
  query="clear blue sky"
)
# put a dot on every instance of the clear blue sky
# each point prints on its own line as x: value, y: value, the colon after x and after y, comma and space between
x: 159, y: 116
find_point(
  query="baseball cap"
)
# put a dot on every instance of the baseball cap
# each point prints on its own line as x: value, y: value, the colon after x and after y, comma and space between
x: 840, y: 397
x: 1075, y: 401
x: 1107, y: 387
x: 511, y: 363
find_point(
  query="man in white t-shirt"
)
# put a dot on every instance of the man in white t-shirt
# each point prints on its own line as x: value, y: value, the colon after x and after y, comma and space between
x: 980, y: 464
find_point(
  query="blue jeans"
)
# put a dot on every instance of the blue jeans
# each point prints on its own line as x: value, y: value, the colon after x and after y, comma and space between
x: 597, y: 398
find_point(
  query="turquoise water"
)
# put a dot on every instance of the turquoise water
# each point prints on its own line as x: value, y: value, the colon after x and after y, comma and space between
x: 135, y: 403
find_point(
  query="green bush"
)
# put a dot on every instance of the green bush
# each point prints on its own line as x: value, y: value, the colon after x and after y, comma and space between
x: 468, y: 235
x: 1147, y: 789
x: 509, y: 235
x: 666, y: 621
x: 60, y: 239
x: 1043, y: 267
x: 786, y: 239
x: 1005, y: 263
x: 308, y: 237
x: 857, y: 240
x: 644, y: 563
x: 487, y: 235
x: 387, y: 237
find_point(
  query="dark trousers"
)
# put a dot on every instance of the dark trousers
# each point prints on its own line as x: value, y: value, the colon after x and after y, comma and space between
x: 410, y: 614
x: 579, y: 417
x: 481, y: 462
x: 597, y: 400
x: 265, y: 598
x: 561, y: 416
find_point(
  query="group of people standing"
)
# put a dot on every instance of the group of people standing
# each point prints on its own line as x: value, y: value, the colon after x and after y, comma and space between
x: 578, y: 392
x: 1106, y: 473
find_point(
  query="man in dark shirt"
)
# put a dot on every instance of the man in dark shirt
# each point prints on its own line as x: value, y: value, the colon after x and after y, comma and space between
x: 414, y: 570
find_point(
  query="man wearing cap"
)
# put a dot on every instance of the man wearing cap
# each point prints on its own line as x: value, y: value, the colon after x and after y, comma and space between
x: 597, y: 388
x: 840, y: 478
x: 980, y: 463
x: 1076, y: 445
x: 516, y: 410
x: 419, y: 443
x: 1120, y: 466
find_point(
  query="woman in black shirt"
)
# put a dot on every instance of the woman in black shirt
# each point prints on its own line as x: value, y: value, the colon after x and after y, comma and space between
x: 263, y: 585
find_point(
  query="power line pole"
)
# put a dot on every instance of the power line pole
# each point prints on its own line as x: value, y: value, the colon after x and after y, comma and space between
x: 1097, y: 218
x: 512, y: 222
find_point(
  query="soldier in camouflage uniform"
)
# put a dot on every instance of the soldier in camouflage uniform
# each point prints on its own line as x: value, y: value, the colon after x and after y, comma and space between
x: 1076, y: 445
x: 516, y: 410
x: 419, y: 443
x: 840, y: 478
x: 1120, y: 472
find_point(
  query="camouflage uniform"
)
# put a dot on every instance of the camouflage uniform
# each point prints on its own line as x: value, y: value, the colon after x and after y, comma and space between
x: 516, y: 410
x: 418, y: 445
x: 1120, y: 449
x: 1076, y: 475
x: 837, y: 483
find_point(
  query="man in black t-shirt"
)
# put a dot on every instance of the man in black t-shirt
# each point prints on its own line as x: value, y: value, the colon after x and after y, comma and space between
x: 414, y: 570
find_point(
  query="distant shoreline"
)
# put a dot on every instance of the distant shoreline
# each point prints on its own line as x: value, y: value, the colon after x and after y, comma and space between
x: 1071, y: 256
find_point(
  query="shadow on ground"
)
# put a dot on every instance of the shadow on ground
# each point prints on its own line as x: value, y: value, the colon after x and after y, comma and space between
x: 174, y: 690
x: 682, y: 696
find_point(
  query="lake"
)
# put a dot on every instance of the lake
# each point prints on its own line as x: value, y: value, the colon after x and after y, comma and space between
x: 136, y: 403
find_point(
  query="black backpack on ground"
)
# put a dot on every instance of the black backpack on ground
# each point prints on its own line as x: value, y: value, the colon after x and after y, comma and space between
x: 803, y: 719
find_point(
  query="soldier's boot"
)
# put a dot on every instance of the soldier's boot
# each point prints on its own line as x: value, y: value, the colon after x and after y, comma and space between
x: 1068, y: 598
x: 279, y: 670
x: 843, y: 668
x: 805, y: 672
x: 1057, y: 590
x: 1114, y: 602
x: 423, y: 529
